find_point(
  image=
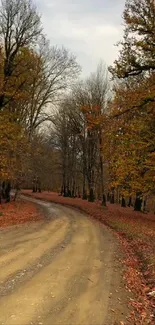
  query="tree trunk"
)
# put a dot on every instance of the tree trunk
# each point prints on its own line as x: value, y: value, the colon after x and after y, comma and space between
x: 84, y: 195
x: 130, y: 202
x: 91, y: 195
x: 64, y: 183
x: 68, y: 194
x: 39, y: 186
x: 7, y: 192
x: 73, y: 189
x: 112, y: 197
x: 108, y: 197
x: 17, y: 191
x: 3, y: 190
x: 138, y: 203
x: 64, y: 190
x: 34, y: 187
x: 101, y: 168
x: 117, y: 195
x: 123, y: 204
x: 143, y: 207
x: 104, y: 200
x: 1, y: 101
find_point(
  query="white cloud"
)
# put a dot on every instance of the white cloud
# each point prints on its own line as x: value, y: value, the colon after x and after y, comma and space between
x: 89, y: 28
x: 107, y: 30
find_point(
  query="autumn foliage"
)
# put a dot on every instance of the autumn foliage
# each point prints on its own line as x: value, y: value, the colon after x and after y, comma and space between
x: 132, y: 113
x: 32, y: 73
x: 16, y: 213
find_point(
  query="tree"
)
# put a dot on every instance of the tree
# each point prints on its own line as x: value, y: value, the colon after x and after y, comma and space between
x: 13, y: 151
x: 33, y: 75
x: 19, y: 27
x: 130, y: 134
x: 66, y: 141
x: 43, y: 169
x: 95, y: 93
x: 13, y: 140
x: 56, y: 69
x: 99, y: 87
x: 133, y: 106
x: 138, y: 46
x: 79, y: 130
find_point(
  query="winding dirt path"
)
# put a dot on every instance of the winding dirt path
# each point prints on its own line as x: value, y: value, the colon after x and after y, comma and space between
x: 63, y: 270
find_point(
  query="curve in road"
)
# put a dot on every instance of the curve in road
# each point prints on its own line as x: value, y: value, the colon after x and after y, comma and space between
x: 63, y: 270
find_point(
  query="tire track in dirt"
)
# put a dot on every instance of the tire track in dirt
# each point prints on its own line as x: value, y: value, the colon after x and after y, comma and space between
x: 63, y: 272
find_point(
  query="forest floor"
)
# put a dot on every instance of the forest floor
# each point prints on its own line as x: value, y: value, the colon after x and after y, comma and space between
x: 136, y: 232
x: 18, y: 212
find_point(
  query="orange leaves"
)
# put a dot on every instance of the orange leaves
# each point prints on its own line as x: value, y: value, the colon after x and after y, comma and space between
x: 17, y: 213
x: 132, y: 133
x: 17, y: 86
x: 93, y: 116
x: 17, y: 91
x: 137, y: 53
x: 91, y: 108
x: 132, y: 164
x: 13, y: 146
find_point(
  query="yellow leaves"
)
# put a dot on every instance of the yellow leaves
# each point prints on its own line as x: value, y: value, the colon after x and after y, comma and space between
x: 13, y: 146
x: 132, y: 132
x: 130, y: 137
x: 84, y: 109
x: 137, y: 54
x: 17, y: 85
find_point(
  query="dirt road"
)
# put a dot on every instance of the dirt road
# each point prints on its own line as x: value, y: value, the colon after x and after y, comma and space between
x: 64, y: 270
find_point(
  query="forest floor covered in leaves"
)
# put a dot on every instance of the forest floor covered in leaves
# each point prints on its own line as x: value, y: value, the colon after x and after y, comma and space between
x: 136, y: 231
x: 18, y: 212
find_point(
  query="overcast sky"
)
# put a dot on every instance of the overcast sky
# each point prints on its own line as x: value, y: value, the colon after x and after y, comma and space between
x: 89, y: 28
